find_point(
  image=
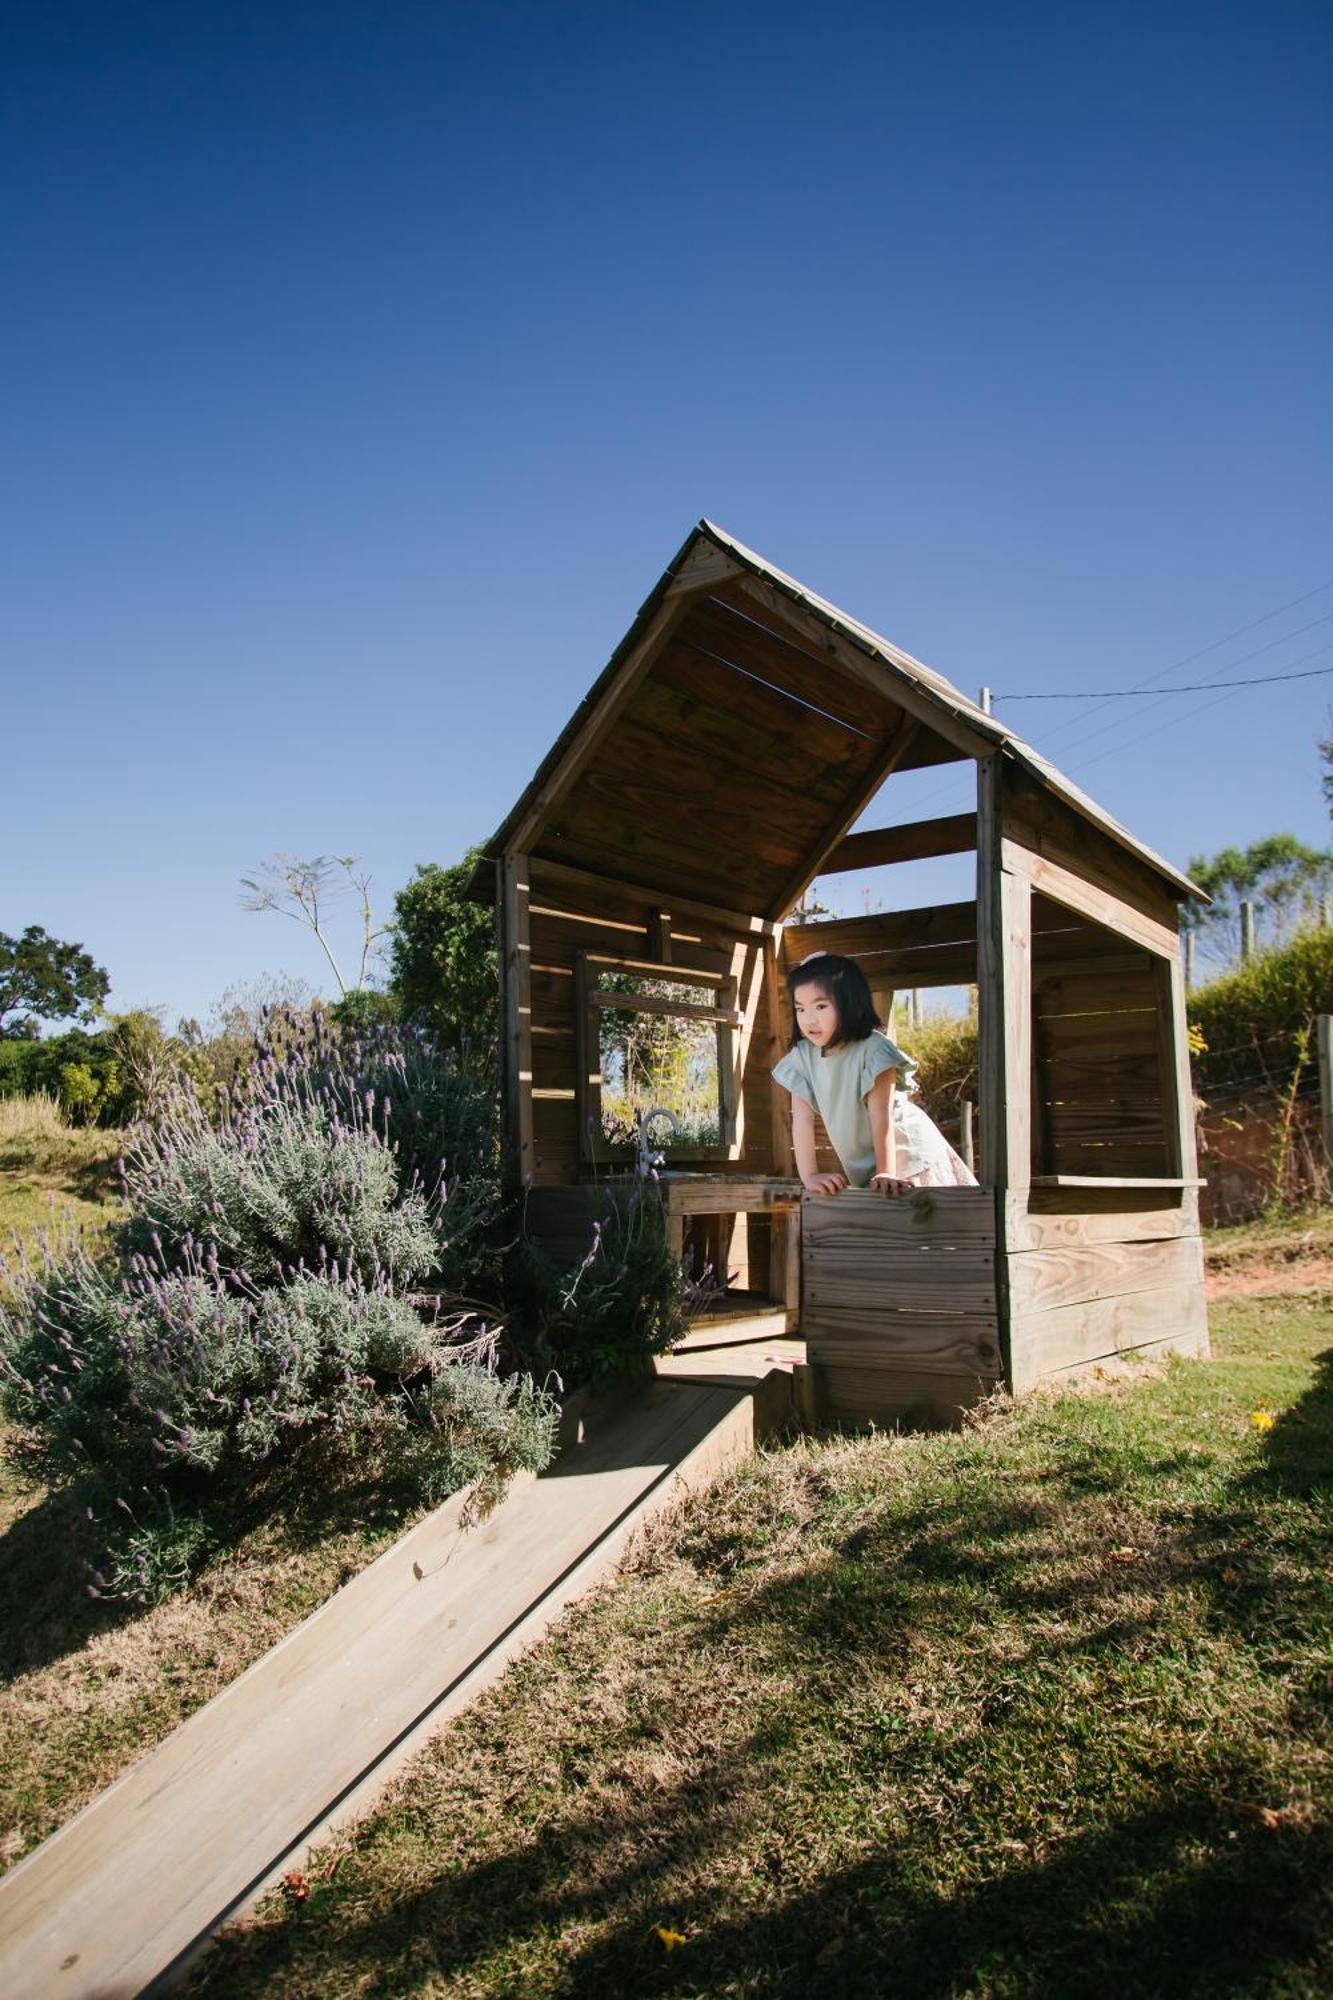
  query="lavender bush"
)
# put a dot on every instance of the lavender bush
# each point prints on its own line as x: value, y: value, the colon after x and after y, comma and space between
x: 288, y: 1300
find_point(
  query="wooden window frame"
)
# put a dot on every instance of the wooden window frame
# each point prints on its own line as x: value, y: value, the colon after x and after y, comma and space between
x: 594, y: 1148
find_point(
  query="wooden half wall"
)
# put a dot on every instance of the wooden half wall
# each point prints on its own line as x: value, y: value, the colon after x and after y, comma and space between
x: 1100, y: 1256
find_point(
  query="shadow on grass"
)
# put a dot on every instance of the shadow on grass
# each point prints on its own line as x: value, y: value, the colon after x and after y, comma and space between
x: 1169, y: 1901
x: 49, y: 1551
x: 1177, y: 1882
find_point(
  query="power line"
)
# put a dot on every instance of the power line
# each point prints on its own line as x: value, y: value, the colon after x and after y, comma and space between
x: 1169, y: 722
x: 955, y: 788
x: 1186, y: 687
x: 1188, y: 659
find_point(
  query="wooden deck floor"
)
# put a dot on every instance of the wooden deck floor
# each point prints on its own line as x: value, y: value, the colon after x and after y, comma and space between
x: 118, y: 1901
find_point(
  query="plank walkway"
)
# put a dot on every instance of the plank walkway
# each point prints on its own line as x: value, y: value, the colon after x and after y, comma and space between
x: 122, y: 1898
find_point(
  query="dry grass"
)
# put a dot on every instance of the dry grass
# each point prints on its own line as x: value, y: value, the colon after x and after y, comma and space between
x: 1040, y: 1710
x: 84, y: 1689
x: 1285, y: 1239
x: 53, y: 1174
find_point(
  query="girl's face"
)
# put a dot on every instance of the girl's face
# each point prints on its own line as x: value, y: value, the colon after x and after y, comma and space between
x: 816, y: 1015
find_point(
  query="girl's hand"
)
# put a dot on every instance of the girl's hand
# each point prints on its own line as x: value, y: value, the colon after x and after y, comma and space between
x: 889, y: 1184
x: 824, y: 1183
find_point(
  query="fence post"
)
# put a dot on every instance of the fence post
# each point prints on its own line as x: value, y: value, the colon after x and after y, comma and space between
x: 1325, y: 1031
x: 965, y: 1145
x: 1246, y: 931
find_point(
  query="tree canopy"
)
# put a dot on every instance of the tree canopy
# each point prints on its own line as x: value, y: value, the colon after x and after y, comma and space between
x: 42, y: 979
x: 443, y: 963
x: 1280, y: 875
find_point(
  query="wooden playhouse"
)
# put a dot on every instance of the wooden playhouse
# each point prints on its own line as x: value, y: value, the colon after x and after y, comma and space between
x: 646, y: 877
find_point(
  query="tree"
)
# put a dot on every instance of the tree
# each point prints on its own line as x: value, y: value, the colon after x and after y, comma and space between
x: 303, y: 891
x: 42, y: 979
x: 1280, y: 875
x: 1326, y: 753
x: 443, y: 963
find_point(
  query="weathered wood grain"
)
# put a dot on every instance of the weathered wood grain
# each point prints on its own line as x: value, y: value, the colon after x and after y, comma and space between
x: 881, y: 1281
x: 1004, y: 979
x: 737, y: 623
x: 907, y: 1340
x: 1106, y: 1213
x: 1040, y: 1280
x: 881, y: 847
x: 1114, y: 912
x: 597, y: 893
x: 1048, y: 826
x: 945, y: 1217
x: 887, y: 930
x: 856, y: 1397
x: 895, y: 744
x: 589, y: 725
x: 1069, y: 1336
x: 884, y: 676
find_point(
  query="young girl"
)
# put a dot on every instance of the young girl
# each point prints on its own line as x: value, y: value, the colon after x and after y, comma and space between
x: 842, y: 1065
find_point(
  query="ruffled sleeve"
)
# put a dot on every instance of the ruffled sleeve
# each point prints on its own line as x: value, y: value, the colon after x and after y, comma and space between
x: 791, y: 1074
x: 878, y: 1053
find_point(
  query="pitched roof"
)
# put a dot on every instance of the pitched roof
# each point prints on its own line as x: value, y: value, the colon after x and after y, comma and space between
x: 901, y: 671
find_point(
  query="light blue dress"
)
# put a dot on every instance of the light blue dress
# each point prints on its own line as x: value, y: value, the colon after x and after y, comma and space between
x: 836, y: 1082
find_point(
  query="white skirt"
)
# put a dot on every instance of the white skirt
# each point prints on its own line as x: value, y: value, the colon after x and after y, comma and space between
x: 924, y: 1155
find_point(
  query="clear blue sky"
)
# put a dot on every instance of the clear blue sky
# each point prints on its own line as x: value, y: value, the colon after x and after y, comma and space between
x: 362, y: 366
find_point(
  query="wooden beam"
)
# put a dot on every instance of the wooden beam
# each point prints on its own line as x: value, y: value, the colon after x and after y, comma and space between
x: 899, y: 743
x: 589, y: 883
x: 637, y: 1003
x: 703, y: 568
x: 1063, y: 886
x: 954, y: 834
x: 1111, y: 1181
x: 886, y: 930
x: 617, y: 692
x: 901, y: 683
x: 516, y: 961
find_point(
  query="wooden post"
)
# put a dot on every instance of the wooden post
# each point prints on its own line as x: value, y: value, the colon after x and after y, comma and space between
x: 966, y: 1145
x: 1326, y: 1082
x: 1246, y: 931
x: 1004, y: 994
x: 516, y: 964
x: 984, y: 700
x: 1189, y: 961
x: 1174, y: 1056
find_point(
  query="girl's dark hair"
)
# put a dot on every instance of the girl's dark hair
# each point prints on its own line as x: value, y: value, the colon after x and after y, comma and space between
x: 845, y: 983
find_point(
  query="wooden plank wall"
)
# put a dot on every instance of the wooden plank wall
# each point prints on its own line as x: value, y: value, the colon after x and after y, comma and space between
x: 1089, y: 1276
x: 1098, y: 1103
x: 899, y: 1303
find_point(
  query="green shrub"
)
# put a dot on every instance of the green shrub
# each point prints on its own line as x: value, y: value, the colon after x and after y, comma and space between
x: 624, y: 1302
x: 276, y: 1314
x: 1252, y: 1019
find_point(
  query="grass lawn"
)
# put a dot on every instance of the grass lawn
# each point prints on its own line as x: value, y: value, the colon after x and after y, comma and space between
x: 1041, y: 1709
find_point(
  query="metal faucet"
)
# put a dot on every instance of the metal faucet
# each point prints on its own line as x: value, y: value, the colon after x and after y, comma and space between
x: 648, y: 1159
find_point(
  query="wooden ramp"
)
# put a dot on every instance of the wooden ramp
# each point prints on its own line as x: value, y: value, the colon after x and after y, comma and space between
x: 122, y: 1898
